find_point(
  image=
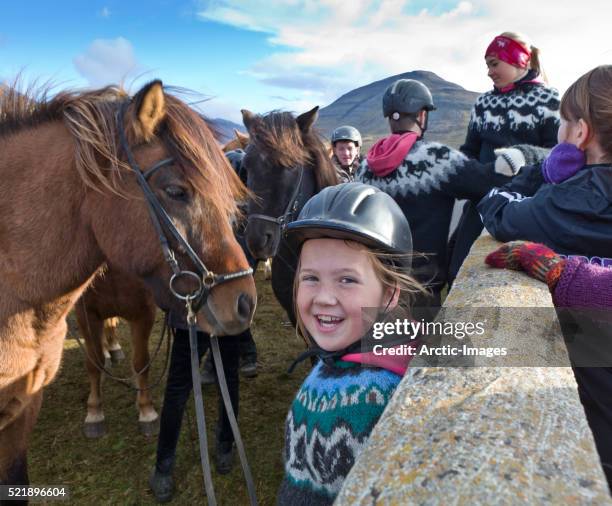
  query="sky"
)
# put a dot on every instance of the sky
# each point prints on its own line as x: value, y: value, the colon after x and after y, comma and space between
x: 288, y: 54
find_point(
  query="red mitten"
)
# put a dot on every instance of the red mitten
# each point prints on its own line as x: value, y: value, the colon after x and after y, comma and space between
x: 506, y: 256
x: 537, y: 260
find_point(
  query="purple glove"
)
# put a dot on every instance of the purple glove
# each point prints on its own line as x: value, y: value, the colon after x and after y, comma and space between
x: 563, y: 162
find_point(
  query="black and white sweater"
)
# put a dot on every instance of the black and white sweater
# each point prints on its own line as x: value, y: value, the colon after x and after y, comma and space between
x: 425, y: 185
x: 528, y: 114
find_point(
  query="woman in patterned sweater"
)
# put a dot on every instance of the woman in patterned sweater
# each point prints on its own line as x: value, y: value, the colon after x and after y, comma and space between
x: 354, y: 242
x: 520, y: 109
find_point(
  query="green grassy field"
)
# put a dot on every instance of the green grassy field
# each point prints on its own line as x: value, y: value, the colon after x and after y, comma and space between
x: 115, y: 468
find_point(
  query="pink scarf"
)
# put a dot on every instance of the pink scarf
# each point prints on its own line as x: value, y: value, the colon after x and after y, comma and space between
x: 397, y: 364
x: 386, y: 155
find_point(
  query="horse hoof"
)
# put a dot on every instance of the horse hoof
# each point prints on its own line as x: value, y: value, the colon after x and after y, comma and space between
x: 117, y: 356
x: 149, y: 429
x: 94, y: 430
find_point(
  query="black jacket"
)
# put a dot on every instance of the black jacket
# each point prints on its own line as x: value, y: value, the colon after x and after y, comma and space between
x: 425, y: 185
x: 573, y: 217
x: 528, y: 114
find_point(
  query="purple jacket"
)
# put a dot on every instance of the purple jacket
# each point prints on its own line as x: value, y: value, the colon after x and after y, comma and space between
x: 584, y: 285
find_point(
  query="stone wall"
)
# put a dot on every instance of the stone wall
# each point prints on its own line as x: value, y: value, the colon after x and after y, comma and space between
x: 485, y: 435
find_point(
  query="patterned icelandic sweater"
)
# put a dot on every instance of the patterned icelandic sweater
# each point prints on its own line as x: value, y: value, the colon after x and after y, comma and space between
x: 425, y: 185
x: 327, y: 427
x: 528, y: 114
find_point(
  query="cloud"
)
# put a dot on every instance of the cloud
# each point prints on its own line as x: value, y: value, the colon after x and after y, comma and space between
x: 107, y: 61
x: 104, y: 12
x: 328, y: 47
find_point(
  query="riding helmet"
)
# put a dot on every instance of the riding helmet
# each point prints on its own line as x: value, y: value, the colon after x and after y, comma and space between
x: 407, y: 96
x: 357, y: 212
x: 346, y: 133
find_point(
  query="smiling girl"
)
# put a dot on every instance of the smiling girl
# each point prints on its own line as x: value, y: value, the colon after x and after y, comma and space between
x: 355, y: 244
x: 566, y: 204
x: 520, y: 109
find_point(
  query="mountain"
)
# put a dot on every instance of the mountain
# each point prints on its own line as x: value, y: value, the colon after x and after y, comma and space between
x: 225, y: 128
x: 362, y: 108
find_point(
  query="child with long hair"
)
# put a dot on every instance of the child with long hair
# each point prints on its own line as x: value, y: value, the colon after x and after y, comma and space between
x: 566, y: 204
x: 354, y: 244
x: 520, y: 109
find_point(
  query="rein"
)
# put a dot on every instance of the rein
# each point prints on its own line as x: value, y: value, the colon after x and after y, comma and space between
x: 206, y: 280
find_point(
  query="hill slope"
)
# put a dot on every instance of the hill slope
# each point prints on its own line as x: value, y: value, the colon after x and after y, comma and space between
x: 362, y: 108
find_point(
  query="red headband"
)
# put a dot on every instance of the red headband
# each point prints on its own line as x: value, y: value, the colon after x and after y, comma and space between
x: 510, y: 51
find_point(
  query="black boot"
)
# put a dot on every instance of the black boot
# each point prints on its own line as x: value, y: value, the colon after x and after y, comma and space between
x: 162, y: 486
x: 248, y: 366
x: 209, y: 373
x: 224, y: 456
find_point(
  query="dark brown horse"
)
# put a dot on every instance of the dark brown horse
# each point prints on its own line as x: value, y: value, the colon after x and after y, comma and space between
x: 286, y: 163
x: 69, y: 203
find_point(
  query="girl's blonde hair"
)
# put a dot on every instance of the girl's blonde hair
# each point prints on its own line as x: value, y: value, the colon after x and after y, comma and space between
x: 388, y: 270
x: 535, y: 62
x: 590, y: 99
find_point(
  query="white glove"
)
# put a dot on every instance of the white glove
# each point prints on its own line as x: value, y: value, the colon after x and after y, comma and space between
x: 509, y: 161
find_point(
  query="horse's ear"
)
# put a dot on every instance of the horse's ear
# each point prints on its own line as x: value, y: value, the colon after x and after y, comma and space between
x: 150, y: 106
x: 307, y: 119
x: 248, y: 118
x: 242, y: 138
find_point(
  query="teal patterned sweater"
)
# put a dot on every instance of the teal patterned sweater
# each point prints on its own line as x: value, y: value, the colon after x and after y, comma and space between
x: 328, y: 425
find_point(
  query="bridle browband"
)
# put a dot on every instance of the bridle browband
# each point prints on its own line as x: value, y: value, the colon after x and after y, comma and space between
x: 206, y: 279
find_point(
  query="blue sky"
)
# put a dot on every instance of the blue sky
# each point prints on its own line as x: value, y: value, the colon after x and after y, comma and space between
x: 288, y: 54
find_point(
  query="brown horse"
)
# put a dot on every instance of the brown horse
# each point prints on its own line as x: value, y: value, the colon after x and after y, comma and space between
x: 240, y: 141
x: 113, y: 354
x: 70, y: 202
x: 115, y: 293
x: 121, y: 294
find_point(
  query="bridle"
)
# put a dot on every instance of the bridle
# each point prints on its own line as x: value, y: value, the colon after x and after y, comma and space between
x: 289, y: 215
x: 206, y: 280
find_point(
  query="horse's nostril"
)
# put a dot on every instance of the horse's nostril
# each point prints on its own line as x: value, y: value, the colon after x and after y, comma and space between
x: 244, y: 307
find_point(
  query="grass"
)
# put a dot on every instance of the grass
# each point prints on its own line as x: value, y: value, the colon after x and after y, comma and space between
x: 115, y: 468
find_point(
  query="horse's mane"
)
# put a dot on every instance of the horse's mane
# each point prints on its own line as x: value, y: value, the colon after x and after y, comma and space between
x: 91, y: 117
x: 279, y: 137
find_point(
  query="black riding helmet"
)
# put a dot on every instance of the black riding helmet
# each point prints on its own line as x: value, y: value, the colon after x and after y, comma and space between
x: 407, y: 96
x: 357, y: 212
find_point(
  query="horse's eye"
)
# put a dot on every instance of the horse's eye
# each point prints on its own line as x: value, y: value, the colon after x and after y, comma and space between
x: 175, y: 192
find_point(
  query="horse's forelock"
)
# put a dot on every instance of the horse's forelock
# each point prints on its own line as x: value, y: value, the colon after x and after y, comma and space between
x: 278, y: 135
x: 190, y: 140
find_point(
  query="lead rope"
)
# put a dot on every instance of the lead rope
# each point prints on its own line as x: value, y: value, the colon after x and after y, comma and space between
x: 199, y: 404
x: 248, y: 477
x: 199, y: 407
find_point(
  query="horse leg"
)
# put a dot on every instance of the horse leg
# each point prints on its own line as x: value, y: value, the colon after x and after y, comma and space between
x: 268, y: 269
x: 14, y: 440
x: 92, y: 329
x: 25, y: 369
x: 112, y: 346
x: 148, y: 419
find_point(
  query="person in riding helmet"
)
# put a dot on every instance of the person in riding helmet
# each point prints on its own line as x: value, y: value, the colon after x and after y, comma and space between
x: 346, y: 145
x: 426, y: 177
x: 354, y: 245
